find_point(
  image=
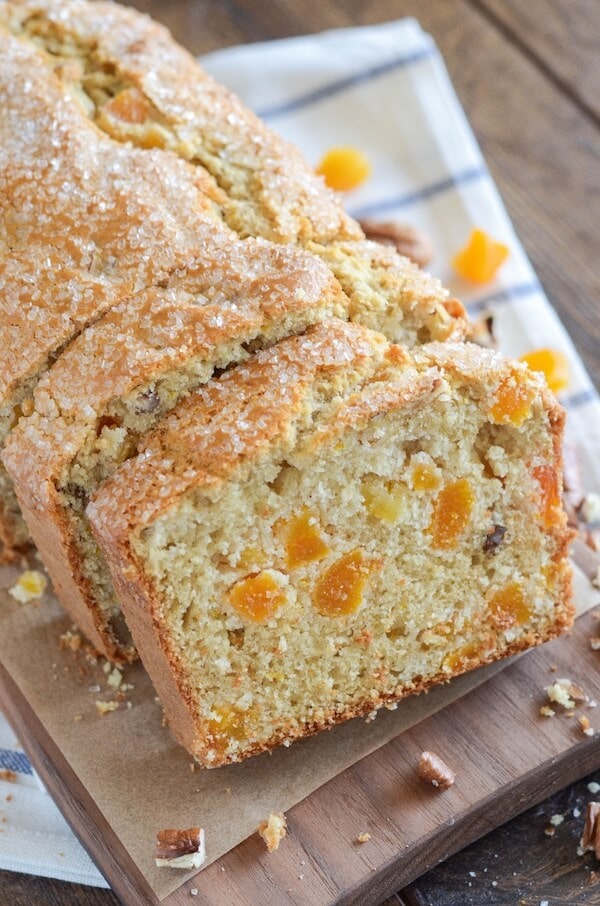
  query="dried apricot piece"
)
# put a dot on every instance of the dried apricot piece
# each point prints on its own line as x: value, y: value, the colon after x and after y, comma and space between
x: 227, y: 724
x: 547, y: 479
x: 509, y: 606
x: 425, y: 477
x: 304, y: 542
x: 481, y: 257
x: 344, y: 168
x: 512, y: 401
x: 128, y: 105
x: 451, y: 514
x: 339, y: 590
x: 463, y: 658
x: 553, y: 364
x: 258, y: 596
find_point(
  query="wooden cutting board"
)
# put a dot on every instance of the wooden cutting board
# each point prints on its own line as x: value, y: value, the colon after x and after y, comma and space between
x: 505, y: 755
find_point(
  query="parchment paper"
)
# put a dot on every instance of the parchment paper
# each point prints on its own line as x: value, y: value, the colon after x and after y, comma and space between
x: 137, y: 775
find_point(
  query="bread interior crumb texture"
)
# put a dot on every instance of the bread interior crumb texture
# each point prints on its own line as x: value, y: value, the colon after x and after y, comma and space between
x: 419, y: 607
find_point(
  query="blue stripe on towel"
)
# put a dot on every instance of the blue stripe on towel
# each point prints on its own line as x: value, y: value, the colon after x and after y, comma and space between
x: 579, y: 399
x: 14, y: 761
x: 333, y: 88
x: 501, y: 297
x: 436, y: 188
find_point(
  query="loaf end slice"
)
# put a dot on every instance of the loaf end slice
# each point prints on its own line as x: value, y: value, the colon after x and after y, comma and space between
x: 332, y: 526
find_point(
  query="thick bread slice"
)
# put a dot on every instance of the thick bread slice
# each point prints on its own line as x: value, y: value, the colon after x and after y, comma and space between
x: 332, y: 526
x: 138, y: 85
x: 120, y: 376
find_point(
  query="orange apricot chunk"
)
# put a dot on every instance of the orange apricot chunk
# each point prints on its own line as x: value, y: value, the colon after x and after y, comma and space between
x: 481, y: 258
x: 553, y: 364
x: 451, y: 513
x: 344, y: 168
x: 229, y: 724
x: 339, y: 590
x: 463, y: 658
x: 512, y: 402
x: 547, y: 478
x: 304, y: 543
x: 128, y: 105
x: 425, y: 477
x: 258, y: 596
x: 509, y: 606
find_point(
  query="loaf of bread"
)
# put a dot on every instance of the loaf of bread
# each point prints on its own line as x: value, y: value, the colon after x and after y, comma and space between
x: 333, y: 525
x: 122, y: 162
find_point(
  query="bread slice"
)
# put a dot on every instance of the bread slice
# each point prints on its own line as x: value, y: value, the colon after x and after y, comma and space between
x: 332, y: 526
x: 139, y: 86
x: 120, y: 376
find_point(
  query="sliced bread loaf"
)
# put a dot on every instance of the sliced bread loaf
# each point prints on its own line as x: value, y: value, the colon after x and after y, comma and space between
x: 333, y: 525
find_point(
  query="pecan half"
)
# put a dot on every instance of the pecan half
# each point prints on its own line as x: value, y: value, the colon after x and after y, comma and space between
x: 406, y: 239
x: 435, y: 771
x: 591, y: 830
x: 180, y: 848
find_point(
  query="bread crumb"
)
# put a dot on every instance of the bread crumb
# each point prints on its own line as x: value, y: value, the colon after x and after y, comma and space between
x: 595, y: 643
x: 590, y: 508
x: 8, y: 775
x: 30, y: 586
x: 555, y: 820
x: 364, y: 837
x: 565, y: 693
x: 593, y: 787
x: 584, y: 723
x: 106, y: 707
x: 273, y: 830
x: 70, y: 640
x: 547, y: 711
x: 114, y: 679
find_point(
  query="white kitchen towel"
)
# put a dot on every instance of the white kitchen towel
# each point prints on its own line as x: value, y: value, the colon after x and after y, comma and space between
x: 385, y: 90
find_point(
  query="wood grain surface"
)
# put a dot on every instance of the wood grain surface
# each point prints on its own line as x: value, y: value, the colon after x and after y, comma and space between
x: 527, y: 76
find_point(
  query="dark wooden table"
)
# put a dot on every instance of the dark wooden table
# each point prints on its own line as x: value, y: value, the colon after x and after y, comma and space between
x: 527, y: 75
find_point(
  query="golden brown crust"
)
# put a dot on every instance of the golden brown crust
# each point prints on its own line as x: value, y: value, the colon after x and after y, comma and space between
x: 289, y: 202
x: 85, y: 221
x: 104, y: 53
x: 231, y: 421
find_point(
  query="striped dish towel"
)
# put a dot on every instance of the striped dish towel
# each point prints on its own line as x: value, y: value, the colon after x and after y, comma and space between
x: 385, y: 90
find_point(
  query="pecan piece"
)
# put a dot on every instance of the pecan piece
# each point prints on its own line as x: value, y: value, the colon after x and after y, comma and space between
x: 435, y: 771
x: 180, y: 848
x: 591, y: 830
x: 406, y: 239
x: 494, y: 539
